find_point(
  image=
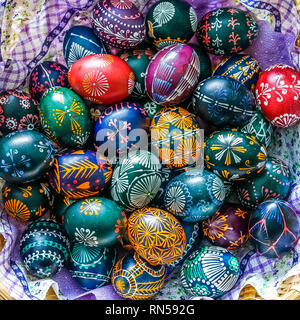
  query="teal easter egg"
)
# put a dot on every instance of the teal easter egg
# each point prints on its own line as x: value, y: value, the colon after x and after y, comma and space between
x: 164, y: 22
x: 194, y: 195
x: 91, y: 267
x: 65, y: 117
x: 60, y: 205
x: 95, y: 221
x: 234, y: 155
x: 25, y: 156
x: 273, y: 181
x: 150, y: 107
x: 210, y: 271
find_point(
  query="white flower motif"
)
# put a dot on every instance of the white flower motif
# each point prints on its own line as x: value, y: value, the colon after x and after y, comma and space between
x: 86, y: 237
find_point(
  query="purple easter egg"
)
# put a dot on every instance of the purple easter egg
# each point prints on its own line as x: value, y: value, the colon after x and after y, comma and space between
x: 118, y: 23
x: 172, y: 74
x: 294, y: 197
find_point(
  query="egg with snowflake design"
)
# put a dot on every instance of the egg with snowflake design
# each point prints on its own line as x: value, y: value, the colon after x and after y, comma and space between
x: 294, y: 197
x: 80, y: 174
x: 25, y: 156
x: 274, y: 228
x: 44, y: 248
x: 172, y: 74
x: 194, y: 195
x: 18, y: 111
x: 47, y: 74
x: 228, y: 227
x: 135, y: 279
x: 210, y: 271
x: 150, y: 107
x: 273, y: 181
x: 119, y: 24
x: 94, y: 78
x: 223, y: 101
x: 91, y: 267
x: 234, y: 155
x: 225, y: 31
x: 278, y: 94
x: 60, y: 206
x: 81, y: 41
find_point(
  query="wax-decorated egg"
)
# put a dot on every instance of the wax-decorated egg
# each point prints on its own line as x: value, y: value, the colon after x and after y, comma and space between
x: 156, y: 235
x: 223, y: 102
x: 273, y: 181
x: 116, y: 128
x: 134, y: 278
x: 172, y: 74
x: 94, y: 78
x: 44, y: 248
x: 294, y: 197
x: 228, y: 227
x: 259, y: 127
x: 138, y: 60
x: 234, y: 155
x: 136, y: 180
x: 150, y: 107
x: 81, y: 41
x: 25, y: 156
x: 60, y: 206
x: 65, y: 117
x: 91, y: 267
x: 226, y: 30
x: 164, y: 22
x: 194, y: 195
x: 176, y: 137
x: 205, y: 63
x: 240, y: 67
x: 274, y: 228
x: 80, y: 174
x: 18, y: 111
x: 210, y: 271
x: 47, y: 74
x: 277, y: 93
x: 119, y: 24
x: 95, y: 221
x: 27, y: 202
x: 194, y: 235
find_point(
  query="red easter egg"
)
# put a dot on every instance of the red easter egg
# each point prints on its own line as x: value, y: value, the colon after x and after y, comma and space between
x: 101, y: 78
x: 278, y: 94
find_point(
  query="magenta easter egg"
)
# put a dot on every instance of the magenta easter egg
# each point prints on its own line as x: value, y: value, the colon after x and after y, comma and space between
x: 172, y: 74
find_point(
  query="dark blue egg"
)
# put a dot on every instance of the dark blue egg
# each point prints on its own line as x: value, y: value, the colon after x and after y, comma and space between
x: 91, y: 267
x: 44, y: 248
x: 81, y: 41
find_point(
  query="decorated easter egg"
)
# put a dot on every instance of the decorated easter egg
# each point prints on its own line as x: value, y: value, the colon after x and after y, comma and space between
x: 274, y: 228
x: 172, y: 74
x: 233, y: 155
x: 240, y: 67
x: 47, y: 74
x: 136, y: 180
x: 176, y: 137
x: 18, y: 111
x: 226, y: 30
x: 294, y: 197
x: 205, y: 63
x: 116, y: 128
x: 44, y: 248
x: 80, y: 174
x: 210, y: 271
x: 94, y: 78
x: 228, y: 227
x: 194, y: 195
x: 156, y: 235
x: 273, y: 181
x: 91, y: 267
x: 223, y: 102
x: 138, y: 60
x: 25, y: 156
x: 259, y: 127
x: 278, y: 94
x: 60, y: 206
x: 27, y: 202
x: 151, y: 107
x: 95, y: 221
x: 134, y: 278
x: 118, y: 23
x: 81, y: 41
x: 164, y: 22
x: 65, y: 118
